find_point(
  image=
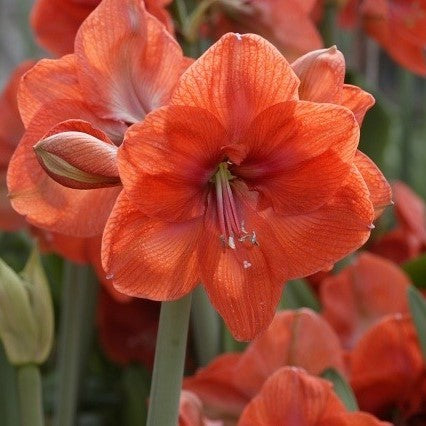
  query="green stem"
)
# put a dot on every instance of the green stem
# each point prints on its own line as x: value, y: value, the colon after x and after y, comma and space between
x: 169, y: 362
x: 30, y: 398
x: 328, y: 24
x: 406, y: 94
x: 79, y: 296
x: 205, y: 326
x: 9, y: 410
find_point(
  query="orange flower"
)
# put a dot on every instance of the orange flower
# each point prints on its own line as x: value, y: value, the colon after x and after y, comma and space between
x: 237, y: 183
x: 292, y: 397
x: 11, y: 130
x: 399, y: 26
x: 127, y: 331
x: 361, y: 294
x: 322, y: 75
x: 408, y: 239
x: 287, y: 24
x: 125, y: 64
x: 299, y: 338
x: 387, y: 369
x: 56, y: 22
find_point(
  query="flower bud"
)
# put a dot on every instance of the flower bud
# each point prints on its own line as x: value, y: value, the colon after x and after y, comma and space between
x: 26, y: 313
x: 78, y: 156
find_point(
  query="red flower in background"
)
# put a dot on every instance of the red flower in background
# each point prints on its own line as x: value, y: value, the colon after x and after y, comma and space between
x: 259, y: 189
x: 388, y: 371
x: 56, y: 22
x: 399, y: 26
x: 127, y: 331
x: 361, y: 295
x: 289, y: 24
x: 125, y: 64
x: 292, y: 397
x: 408, y: 239
x: 299, y: 338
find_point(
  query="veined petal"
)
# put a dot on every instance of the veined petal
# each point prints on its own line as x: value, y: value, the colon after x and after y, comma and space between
x: 236, y: 79
x: 238, y: 279
x: 47, y: 81
x: 149, y: 258
x: 180, y: 155
x: 128, y: 63
x: 321, y: 74
x: 380, y: 190
x: 342, y: 225
x: 44, y: 202
x: 361, y: 294
x: 299, y: 153
x: 357, y: 100
x: 78, y: 156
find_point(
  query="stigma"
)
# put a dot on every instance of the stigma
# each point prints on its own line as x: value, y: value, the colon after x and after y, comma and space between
x: 230, y: 224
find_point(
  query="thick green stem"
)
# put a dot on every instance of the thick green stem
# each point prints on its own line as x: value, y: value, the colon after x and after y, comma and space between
x: 30, y: 398
x: 205, y: 326
x: 9, y: 410
x: 169, y: 362
x: 406, y: 94
x: 328, y: 24
x: 78, y: 302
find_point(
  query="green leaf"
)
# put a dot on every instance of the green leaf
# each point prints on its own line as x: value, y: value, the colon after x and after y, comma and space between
x: 418, y: 312
x: 297, y: 294
x: 342, y: 388
x: 416, y: 269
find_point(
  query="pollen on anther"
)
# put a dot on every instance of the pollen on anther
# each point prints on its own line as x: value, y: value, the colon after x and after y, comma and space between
x: 371, y: 226
x: 246, y: 264
x: 239, y: 38
x: 109, y: 276
x: 231, y: 242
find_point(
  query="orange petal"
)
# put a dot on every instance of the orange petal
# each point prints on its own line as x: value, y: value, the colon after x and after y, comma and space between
x: 148, y: 258
x: 239, y: 282
x: 78, y: 156
x: 299, y: 154
x: 294, y: 338
x: 128, y: 63
x: 47, y: 81
x: 292, y: 397
x: 191, y: 411
x: 180, y: 155
x: 380, y: 190
x: 361, y: 294
x: 342, y: 225
x: 387, y: 365
x: 221, y: 395
x: 236, y: 79
x: 321, y: 74
x: 357, y: 100
x: 46, y: 203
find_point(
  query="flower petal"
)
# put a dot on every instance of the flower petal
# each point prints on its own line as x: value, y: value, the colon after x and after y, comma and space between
x: 46, y: 203
x: 148, y: 258
x: 357, y: 100
x: 299, y: 153
x: 47, y: 81
x: 236, y: 79
x: 315, y: 241
x: 362, y: 294
x: 128, y: 63
x: 180, y: 155
x: 380, y: 190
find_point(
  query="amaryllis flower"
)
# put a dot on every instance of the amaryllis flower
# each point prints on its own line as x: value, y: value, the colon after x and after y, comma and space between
x: 361, y: 295
x: 399, y: 26
x: 388, y: 371
x: 408, y: 239
x: 191, y: 412
x: 127, y: 330
x: 292, y: 397
x: 289, y: 25
x: 237, y: 184
x: 56, y: 22
x: 77, y: 108
x: 11, y: 130
x: 322, y: 74
x: 298, y: 338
